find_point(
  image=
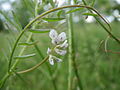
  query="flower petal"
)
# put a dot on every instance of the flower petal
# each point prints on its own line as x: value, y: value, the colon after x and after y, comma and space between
x: 48, y: 51
x: 55, y: 41
x: 53, y: 34
x: 62, y: 36
x: 60, y: 52
x: 57, y: 59
x: 51, y: 61
x: 64, y: 45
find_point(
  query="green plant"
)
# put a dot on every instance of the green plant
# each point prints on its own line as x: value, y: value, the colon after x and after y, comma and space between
x: 31, y: 26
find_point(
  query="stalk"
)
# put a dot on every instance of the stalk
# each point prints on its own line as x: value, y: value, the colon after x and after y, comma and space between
x: 70, y: 49
x: 71, y: 59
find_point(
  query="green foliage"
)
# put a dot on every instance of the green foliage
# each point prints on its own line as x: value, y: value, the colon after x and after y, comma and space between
x: 24, y: 56
x: 96, y: 68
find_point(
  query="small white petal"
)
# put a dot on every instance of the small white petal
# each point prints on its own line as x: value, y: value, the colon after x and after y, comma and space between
x: 53, y: 34
x: 48, y: 51
x: 57, y: 59
x: 64, y: 45
x: 60, y: 52
x: 51, y: 61
x: 55, y: 41
x: 62, y: 36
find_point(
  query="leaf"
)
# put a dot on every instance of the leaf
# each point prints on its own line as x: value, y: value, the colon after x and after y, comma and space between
x: 27, y: 43
x: 25, y: 56
x: 74, y: 10
x: 39, y: 30
x: 53, y: 19
x: 90, y: 14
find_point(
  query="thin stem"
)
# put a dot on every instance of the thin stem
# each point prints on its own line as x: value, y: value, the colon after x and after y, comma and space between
x: 34, y: 67
x: 70, y: 54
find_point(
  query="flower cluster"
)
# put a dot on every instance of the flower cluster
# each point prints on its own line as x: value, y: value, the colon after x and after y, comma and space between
x: 60, y: 44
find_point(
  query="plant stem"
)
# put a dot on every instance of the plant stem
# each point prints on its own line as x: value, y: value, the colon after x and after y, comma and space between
x: 70, y: 54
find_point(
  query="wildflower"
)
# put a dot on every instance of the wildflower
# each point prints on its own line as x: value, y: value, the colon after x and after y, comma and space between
x: 60, y: 43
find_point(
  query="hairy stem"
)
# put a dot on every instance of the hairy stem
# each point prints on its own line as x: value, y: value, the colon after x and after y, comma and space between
x: 70, y: 54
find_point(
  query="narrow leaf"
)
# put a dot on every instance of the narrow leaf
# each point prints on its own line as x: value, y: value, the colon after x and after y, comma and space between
x: 90, y: 14
x: 74, y: 10
x: 53, y: 19
x: 25, y: 56
x: 39, y: 30
x: 27, y: 43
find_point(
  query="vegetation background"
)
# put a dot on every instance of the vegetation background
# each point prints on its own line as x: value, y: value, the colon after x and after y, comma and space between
x: 98, y: 69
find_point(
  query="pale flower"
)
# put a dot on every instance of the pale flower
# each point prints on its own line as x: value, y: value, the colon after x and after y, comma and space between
x: 51, y: 61
x: 60, y: 44
x: 48, y: 51
x: 60, y: 52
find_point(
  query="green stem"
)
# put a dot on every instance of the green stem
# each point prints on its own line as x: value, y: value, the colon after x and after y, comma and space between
x: 71, y: 60
x: 70, y: 54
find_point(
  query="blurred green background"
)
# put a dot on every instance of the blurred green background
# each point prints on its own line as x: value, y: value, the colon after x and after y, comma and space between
x: 98, y: 70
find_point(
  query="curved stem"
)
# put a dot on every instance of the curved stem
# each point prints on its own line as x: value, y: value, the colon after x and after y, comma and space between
x: 47, y: 12
x: 34, y: 67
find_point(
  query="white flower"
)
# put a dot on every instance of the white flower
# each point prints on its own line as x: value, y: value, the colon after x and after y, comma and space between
x: 59, y: 41
x: 48, y: 51
x: 60, y: 52
x: 62, y: 36
x: 53, y: 34
x: 56, y: 39
x: 51, y: 61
